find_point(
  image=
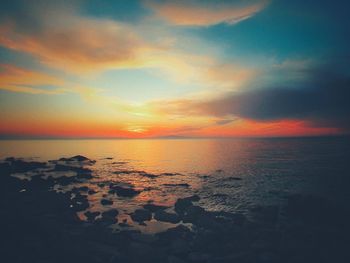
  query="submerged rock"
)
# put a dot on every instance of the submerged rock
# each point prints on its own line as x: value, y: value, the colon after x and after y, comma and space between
x: 140, y: 215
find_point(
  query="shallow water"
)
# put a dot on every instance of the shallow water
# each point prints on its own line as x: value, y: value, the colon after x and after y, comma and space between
x: 228, y: 174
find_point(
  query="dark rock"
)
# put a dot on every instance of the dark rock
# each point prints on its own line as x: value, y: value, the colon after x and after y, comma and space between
x: 80, y: 189
x: 123, y: 191
x: 164, y: 216
x: 192, y: 213
x: 80, y: 202
x: 140, y: 215
x: 106, y: 202
x: 110, y: 213
x: 20, y: 166
x: 154, y: 208
x: 110, y: 216
x: 91, y: 215
x: 92, y: 192
x: 183, y: 203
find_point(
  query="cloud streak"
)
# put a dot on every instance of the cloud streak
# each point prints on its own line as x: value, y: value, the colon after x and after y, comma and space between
x: 205, y: 13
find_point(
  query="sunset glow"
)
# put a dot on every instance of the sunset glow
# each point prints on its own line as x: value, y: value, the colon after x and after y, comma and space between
x: 144, y: 69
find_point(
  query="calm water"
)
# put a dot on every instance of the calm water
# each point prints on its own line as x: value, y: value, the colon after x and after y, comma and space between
x: 228, y: 174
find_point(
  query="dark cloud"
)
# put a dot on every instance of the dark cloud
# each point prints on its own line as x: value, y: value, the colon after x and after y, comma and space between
x: 323, y: 100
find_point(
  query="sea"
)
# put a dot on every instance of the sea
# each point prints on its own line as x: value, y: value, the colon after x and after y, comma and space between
x: 230, y: 175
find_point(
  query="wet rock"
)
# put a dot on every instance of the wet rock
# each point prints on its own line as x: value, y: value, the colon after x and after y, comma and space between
x: 183, y: 203
x: 80, y: 189
x: 76, y: 158
x: 80, y: 202
x: 106, y: 202
x: 110, y: 213
x: 192, y: 213
x: 20, y: 166
x: 109, y: 217
x: 64, y: 180
x: 154, y: 208
x: 92, y: 192
x: 91, y: 215
x: 164, y: 216
x: 123, y: 191
x: 140, y: 215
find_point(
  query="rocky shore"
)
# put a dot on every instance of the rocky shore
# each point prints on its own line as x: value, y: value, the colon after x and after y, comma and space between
x: 42, y: 224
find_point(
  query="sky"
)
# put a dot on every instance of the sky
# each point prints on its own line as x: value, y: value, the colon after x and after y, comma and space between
x: 151, y: 68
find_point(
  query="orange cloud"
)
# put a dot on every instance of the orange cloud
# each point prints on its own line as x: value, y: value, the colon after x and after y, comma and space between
x: 17, y: 79
x: 81, y: 44
x: 201, y: 13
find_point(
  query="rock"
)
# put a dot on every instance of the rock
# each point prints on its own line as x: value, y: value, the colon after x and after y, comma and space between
x: 91, y: 215
x: 109, y: 217
x: 110, y: 213
x: 80, y: 189
x: 183, y: 203
x: 92, y: 192
x: 80, y: 202
x: 192, y: 213
x: 141, y: 215
x: 20, y: 166
x: 123, y: 191
x: 154, y: 208
x: 106, y: 202
x: 164, y: 216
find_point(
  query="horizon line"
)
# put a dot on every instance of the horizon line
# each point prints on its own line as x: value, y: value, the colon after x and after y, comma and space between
x: 14, y: 137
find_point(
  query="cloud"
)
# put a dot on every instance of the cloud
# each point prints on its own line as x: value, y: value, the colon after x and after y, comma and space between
x: 321, y: 100
x: 205, y: 13
x: 16, y: 79
x: 78, y: 43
